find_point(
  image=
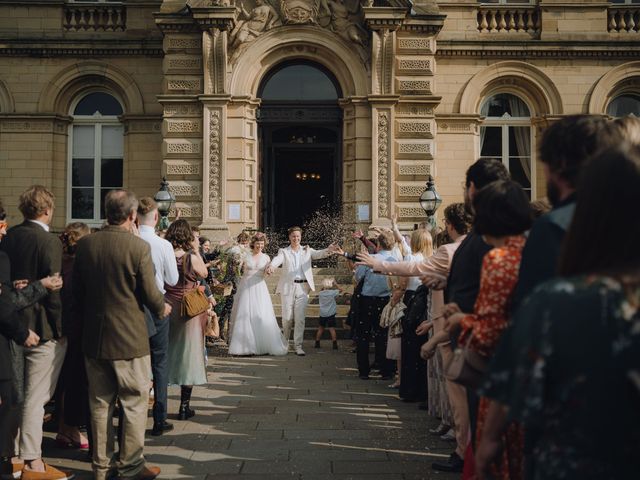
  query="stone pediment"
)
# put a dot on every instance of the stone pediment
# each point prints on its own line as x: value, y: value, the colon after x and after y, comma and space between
x: 343, y: 17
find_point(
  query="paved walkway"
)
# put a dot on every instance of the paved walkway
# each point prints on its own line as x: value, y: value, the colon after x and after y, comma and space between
x: 290, y: 418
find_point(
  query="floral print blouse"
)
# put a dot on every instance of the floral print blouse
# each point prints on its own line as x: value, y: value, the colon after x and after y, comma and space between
x: 498, y: 279
x: 573, y: 378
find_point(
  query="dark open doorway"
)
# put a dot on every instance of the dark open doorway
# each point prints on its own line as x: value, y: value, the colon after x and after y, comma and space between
x: 300, y: 138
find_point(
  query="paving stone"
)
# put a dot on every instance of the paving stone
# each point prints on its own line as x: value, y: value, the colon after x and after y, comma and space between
x: 286, y: 418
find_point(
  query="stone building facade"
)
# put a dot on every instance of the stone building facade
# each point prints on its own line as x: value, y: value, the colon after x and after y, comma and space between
x: 258, y: 111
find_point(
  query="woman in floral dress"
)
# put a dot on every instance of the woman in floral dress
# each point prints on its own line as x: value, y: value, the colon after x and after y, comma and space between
x: 502, y: 216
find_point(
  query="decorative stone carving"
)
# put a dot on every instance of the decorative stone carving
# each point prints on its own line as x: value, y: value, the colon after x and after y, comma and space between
x: 183, y: 110
x: 299, y: 11
x: 421, y: 65
x: 185, y: 189
x: 183, y: 84
x: 383, y: 164
x: 414, y: 169
x: 411, y: 212
x: 183, y: 126
x: 187, y: 211
x: 414, y: 128
x: 184, y: 43
x: 419, y: 148
x: 192, y: 63
x: 258, y: 20
x: 414, y: 110
x: 344, y: 17
x: 182, y: 167
x: 182, y: 147
x: 417, y: 45
x: 415, y: 87
x: 215, y: 164
x: 410, y: 190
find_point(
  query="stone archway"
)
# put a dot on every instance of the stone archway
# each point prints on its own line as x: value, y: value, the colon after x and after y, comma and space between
x: 244, y: 152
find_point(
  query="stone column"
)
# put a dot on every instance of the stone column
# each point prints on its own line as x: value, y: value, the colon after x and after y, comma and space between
x: 182, y: 126
x: 414, y: 122
x: 215, y: 22
x: 356, y: 154
x: 384, y: 22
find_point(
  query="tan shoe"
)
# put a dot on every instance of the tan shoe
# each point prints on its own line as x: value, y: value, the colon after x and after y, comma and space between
x: 50, y: 473
x: 147, y: 473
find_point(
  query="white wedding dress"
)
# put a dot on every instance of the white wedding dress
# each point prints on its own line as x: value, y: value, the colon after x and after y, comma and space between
x: 254, y: 329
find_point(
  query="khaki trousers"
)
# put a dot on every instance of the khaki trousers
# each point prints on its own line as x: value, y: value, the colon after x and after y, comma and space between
x: 294, y: 307
x: 42, y: 365
x: 458, y: 401
x: 127, y: 380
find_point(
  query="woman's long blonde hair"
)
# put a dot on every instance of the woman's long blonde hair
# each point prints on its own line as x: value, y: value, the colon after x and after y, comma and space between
x: 421, y: 242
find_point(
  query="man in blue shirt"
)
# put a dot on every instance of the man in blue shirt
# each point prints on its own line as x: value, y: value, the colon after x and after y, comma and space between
x: 375, y: 295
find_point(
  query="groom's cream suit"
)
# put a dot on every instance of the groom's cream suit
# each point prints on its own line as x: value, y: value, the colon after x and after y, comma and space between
x: 296, y: 281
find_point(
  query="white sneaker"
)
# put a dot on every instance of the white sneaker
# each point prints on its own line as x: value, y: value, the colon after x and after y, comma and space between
x: 300, y: 352
x: 450, y: 436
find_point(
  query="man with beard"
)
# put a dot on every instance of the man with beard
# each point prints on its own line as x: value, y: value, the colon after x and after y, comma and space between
x: 565, y: 148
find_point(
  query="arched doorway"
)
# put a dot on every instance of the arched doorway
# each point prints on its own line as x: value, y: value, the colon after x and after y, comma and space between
x: 300, y: 124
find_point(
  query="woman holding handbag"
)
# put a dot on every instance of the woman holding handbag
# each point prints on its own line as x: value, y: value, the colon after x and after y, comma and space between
x: 502, y: 216
x: 187, y: 365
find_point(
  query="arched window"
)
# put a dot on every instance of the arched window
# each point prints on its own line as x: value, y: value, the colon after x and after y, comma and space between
x: 299, y: 82
x: 96, y: 147
x: 506, y: 136
x: 625, y: 104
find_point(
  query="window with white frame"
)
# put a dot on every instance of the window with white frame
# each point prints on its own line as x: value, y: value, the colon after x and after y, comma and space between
x: 624, y: 104
x: 96, y: 147
x: 506, y: 136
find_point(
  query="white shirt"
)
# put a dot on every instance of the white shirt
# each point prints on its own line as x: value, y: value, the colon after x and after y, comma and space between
x: 164, y: 260
x: 327, y: 301
x: 297, y: 263
x: 43, y: 225
x: 414, y: 282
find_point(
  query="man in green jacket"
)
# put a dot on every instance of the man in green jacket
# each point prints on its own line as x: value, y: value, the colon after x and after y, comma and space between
x: 113, y: 281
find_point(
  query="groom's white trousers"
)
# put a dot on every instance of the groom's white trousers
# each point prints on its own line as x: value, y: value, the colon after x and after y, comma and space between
x: 294, y: 307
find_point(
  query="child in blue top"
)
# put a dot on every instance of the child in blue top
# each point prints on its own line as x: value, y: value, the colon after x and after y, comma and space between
x: 328, y: 307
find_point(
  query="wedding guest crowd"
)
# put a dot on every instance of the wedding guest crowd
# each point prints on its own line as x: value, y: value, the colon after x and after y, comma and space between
x: 520, y: 332
x: 528, y: 375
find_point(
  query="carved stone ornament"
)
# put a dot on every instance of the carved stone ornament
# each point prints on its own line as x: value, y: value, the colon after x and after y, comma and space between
x: 383, y: 164
x: 215, y: 165
x: 299, y: 11
x: 344, y: 17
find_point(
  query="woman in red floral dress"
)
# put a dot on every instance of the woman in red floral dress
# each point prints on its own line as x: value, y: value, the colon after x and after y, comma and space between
x: 502, y: 215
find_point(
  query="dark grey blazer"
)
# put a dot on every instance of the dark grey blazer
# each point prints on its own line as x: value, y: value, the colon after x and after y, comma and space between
x: 34, y: 254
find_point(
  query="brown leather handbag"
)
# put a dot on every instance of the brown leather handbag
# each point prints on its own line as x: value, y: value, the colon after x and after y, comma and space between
x: 194, y: 302
x: 467, y: 367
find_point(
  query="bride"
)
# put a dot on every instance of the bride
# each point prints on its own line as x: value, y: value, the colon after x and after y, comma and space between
x: 253, y: 328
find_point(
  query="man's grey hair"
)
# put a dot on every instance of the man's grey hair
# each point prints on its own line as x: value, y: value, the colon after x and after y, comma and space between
x: 118, y: 205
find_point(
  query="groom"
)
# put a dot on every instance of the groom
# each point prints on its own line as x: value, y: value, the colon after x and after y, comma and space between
x: 295, y: 283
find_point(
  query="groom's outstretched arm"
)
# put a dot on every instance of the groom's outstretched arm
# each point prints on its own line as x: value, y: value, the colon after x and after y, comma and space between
x: 317, y: 254
x: 277, y: 260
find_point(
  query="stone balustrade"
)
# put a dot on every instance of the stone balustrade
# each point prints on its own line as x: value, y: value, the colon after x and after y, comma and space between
x: 94, y: 16
x: 623, y: 19
x: 508, y: 18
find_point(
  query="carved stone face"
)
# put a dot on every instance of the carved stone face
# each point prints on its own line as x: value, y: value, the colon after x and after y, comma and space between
x: 299, y: 15
x: 299, y: 11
